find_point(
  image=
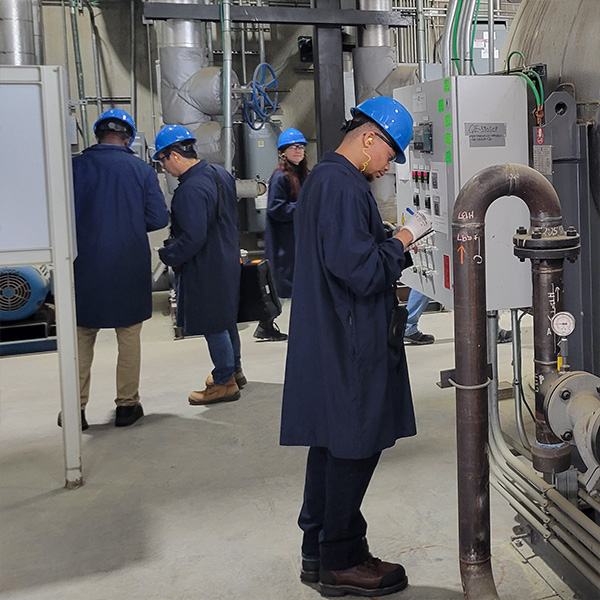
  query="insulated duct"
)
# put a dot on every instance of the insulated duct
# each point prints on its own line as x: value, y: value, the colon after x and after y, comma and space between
x: 373, y: 62
x: 191, y: 91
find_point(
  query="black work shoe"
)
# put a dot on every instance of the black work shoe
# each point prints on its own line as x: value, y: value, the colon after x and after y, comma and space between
x: 310, y: 570
x: 84, y: 423
x: 269, y: 334
x: 128, y: 415
x: 371, y: 578
x: 419, y: 339
x: 504, y: 336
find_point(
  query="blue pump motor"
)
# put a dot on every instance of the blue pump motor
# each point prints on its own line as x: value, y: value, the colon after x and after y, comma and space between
x: 22, y: 291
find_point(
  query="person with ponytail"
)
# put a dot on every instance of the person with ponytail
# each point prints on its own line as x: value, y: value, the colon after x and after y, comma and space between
x: 284, y: 187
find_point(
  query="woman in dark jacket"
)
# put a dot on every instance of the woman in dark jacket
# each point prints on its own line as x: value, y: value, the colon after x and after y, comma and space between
x: 284, y: 187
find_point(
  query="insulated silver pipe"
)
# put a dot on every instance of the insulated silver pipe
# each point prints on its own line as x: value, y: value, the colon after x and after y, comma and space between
x: 375, y: 35
x: 17, y: 38
x: 447, y: 65
x: 491, y: 38
x: 227, y: 65
x: 518, y: 377
x: 421, y: 41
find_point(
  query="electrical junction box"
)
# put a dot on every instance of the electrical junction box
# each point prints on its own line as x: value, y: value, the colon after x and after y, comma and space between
x: 461, y: 126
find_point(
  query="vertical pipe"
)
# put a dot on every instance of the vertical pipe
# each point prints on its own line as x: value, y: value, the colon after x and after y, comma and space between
x: 66, y: 44
x: 491, y: 38
x: 79, y: 71
x: 151, y: 81
x: 261, y: 38
x: 227, y: 59
x: 471, y: 378
x: 209, y: 40
x: 38, y: 32
x: 447, y: 69
x: 243, y: 51
x: 96, y: 61
x: 133, y: 77
x: 464, y: 36
x: 17, y: 33
x: 518, y: 377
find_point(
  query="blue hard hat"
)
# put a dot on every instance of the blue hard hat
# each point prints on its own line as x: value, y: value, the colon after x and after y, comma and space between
x: 290, y: 136
x: 171, y: 134
x: 392, y: 117
x: 118, y: 115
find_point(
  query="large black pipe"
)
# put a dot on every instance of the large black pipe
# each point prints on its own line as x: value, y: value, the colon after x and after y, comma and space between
x: 471, y: 374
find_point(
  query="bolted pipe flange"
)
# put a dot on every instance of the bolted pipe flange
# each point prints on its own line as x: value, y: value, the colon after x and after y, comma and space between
x: 547, y: 243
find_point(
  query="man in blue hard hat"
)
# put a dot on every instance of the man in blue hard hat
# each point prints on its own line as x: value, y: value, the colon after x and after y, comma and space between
x: 204, y: 252
x: 347, y: 393
x: 117, y: 201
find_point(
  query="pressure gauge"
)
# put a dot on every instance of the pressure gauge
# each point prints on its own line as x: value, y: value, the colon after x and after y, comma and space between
x: 563, y: 324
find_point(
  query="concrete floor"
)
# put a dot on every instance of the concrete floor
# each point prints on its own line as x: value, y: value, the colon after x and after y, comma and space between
x: 201, y: 503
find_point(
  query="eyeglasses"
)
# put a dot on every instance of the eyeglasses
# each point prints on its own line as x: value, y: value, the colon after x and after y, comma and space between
x: 297, y: 147
x: 393, y: 158
x: 163, y: 158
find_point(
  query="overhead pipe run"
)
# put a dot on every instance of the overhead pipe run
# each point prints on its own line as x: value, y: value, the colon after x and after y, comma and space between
x: 547, y: 245
x: 447, y: 38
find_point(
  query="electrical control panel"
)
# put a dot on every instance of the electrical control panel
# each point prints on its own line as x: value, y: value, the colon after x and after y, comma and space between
x: 461, y: 126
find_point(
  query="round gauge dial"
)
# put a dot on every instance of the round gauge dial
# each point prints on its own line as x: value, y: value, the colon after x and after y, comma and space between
x: 563, y: 324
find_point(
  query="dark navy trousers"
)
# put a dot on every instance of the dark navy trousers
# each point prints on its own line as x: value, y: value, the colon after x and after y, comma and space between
x: 334, y: 528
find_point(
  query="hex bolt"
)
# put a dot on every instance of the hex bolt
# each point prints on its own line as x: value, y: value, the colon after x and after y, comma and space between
x: 567, y: 436
x: 565, y: 394
x: 571, y: 232
x: 521, y: 231
x: 536, y: 235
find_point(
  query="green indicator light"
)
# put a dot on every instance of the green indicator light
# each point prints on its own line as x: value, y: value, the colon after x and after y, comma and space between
x: 448, y: 120
x: 448, y: 156
x: 448, y: 138
x: 441, y: 105
x: 447, y: 84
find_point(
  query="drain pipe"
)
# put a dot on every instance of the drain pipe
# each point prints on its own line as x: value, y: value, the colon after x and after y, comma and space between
x: 447, y: 38
x: 471, y: 372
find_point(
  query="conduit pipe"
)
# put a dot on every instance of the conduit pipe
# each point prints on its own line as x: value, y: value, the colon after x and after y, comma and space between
x: 447, y: 38
x: 79, y: 72
x: 464, y: 36
x: 518, y: 378
x: 421, y: 41
x: 471, y: 374
x: 491, y: 38
x: 227, y: 67
x: 95, y: 57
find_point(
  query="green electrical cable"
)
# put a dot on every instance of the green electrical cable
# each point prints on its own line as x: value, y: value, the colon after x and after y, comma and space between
x: 531, y: 85
x: 473, y: 36
x: 456, y: 60
x: 510, y: 56
x: 539, y: 80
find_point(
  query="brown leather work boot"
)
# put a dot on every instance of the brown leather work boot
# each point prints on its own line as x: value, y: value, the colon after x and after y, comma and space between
x: 239, y: 377
x: 228, y: 392
x: 371, y: 578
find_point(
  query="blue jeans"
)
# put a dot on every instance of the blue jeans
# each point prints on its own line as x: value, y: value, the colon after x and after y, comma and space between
x: 225, y: 351
x: 417, y: 303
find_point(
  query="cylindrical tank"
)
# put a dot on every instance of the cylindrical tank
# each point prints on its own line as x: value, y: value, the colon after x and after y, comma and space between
x: 22, y: 291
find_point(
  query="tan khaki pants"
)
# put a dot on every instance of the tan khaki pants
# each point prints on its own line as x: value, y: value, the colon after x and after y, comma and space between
x: 128, y: 363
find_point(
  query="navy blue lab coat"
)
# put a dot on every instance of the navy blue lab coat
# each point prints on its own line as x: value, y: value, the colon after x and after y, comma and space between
x: 279, y: 234
x: 345, y: 388
x: 204, y: 251
x: 117, y: 200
